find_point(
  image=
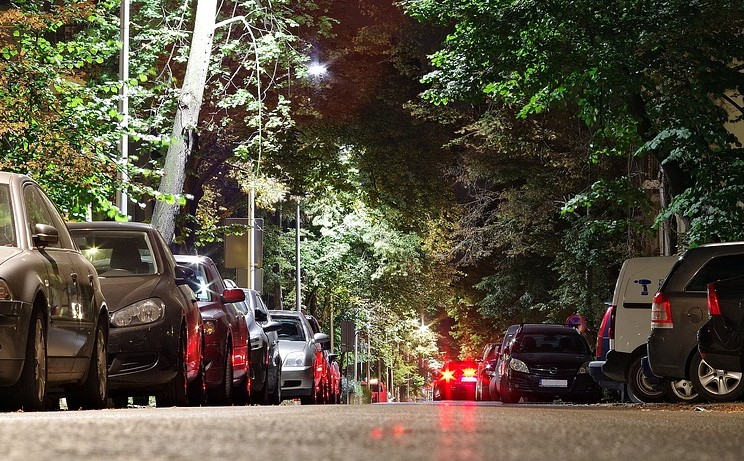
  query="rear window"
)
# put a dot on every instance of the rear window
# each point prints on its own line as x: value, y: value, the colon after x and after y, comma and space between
x: 117, y: 253
x: 719, y: 268
x: 291, y: 329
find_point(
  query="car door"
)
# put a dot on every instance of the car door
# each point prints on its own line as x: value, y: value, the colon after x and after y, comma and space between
x: 63, y: 336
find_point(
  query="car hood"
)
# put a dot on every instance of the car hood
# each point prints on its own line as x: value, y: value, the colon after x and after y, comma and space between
x: 285, y: 347
x: 553, y: 359
x: 8, y: 252
x: 123, y: 291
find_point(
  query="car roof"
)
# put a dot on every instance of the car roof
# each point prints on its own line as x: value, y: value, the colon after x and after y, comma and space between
x: 109, y: 225
x: 547, y: 328
x: 285, y: 313
x: 193, y: 259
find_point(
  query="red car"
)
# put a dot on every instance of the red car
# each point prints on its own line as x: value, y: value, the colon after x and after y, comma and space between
x: 456, y: 381
x: 226, y: 353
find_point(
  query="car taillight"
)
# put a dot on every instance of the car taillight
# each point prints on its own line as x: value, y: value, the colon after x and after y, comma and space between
x: 447, y: 374
x: 661, y: 312
x: 468, y: 374
x: 606, y: 331
x: 713, y: 307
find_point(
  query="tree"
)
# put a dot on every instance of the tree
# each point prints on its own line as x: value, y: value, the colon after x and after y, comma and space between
x: 58, y: 117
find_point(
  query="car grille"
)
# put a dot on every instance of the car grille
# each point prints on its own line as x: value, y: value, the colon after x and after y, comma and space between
x: 553, y: 372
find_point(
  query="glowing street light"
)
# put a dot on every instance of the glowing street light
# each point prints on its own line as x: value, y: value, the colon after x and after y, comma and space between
x: 316, y: 69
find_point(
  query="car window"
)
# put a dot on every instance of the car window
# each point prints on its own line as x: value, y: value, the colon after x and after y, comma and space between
x: 117, y: 254
x: 39, y: 210
x: 719, y: 268
x: 291, y: 329
x: 7, y: 223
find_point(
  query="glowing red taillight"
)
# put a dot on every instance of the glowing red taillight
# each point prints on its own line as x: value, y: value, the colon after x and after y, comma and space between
x: 661, y: 312
x: 713, y: 307
x: 447, y: 374
x: 606, y: 330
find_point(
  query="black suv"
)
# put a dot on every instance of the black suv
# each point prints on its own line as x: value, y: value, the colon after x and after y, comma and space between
x: 680, y: 308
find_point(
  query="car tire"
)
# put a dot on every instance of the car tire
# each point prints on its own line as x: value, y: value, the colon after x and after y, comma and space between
x: 223, y: 394
x: 715, y: 385
x: 92, y: 394
x: 176, y: 391
x: 681, y: 390
x: 197, y: 388
x: 640, y: 390
x: 29, y: 393
x: 275, y: 398
x: 508, y: 397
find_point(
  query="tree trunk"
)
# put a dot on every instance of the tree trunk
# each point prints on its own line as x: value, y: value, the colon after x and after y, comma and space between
x: 184, y: 136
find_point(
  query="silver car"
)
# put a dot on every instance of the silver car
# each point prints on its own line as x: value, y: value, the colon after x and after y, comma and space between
x: 301, y: 353
x: 53, y: 317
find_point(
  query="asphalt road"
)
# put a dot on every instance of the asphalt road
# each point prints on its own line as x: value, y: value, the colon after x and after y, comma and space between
x: 446, y: 431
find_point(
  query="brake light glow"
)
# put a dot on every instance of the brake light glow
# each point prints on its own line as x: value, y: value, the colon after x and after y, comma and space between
x: 714, y: 308
x: 447, y: 374
x: 661, y: 312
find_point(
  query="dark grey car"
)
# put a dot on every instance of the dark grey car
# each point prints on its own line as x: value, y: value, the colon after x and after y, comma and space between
x: 679, y: 310
x: 53, y: 316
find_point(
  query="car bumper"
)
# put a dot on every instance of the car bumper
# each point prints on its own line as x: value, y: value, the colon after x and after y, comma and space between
x: 721, y: 347
x: 142, y: 356
x: 458, y: 391
x: 596, y: 372
x: 668, y: 353
x: 14, y: 320
x: 297, y: 381
x: 578, y: 387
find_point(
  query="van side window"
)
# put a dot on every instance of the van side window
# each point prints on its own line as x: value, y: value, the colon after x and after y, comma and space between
x: 722, y: 267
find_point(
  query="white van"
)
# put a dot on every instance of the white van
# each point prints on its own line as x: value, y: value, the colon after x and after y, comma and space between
x: 621, y: 340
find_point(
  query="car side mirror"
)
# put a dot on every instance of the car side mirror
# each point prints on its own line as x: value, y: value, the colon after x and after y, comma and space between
x: 324, y: 340
x: 45, y: 235
x: 271, y: 326
x: 232, y: 295
x: 261, y: 316
x: 185, y: 275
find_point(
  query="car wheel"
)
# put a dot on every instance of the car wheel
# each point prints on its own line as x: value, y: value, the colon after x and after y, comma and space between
x: 682, y: 390
x: 176, y: 391
x: 508, y: 397
x: 197, y: 388
x: 242, y: 392
x: 30, y: 390
x: 223, y: 394
x: 640, y: 390
x: 92, y: 394
x: 715, y: 385
x: 275, y: 398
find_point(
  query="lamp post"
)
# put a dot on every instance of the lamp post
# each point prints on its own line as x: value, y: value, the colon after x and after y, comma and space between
x: 298, y: 284
x: 121, y: 194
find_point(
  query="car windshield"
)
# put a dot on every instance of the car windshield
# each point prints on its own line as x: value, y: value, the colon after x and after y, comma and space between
x: 291, y: 329
x: 7, y: 226
x: 117, y: 254
x: 551, y: 342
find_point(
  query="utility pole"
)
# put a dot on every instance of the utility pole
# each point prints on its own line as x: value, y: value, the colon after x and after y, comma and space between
x: 298, y: 285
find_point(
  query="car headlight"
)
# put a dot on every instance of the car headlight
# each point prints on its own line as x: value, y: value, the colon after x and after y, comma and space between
x: 584, y: 368
x: 295, y: 359
x: 518, y: 365
x: 5, y: 293
x: 139, y: 313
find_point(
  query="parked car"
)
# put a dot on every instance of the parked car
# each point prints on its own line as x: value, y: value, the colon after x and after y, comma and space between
x: 721, y: 340
x: 547, y: 362
x: 155, y: 330
x: 456, y: 380
x: 335, y: 383
x: 495, y: 372
x: 486, y: 365
x: 377, y: 390
x: 679, y: 310
x: 298, y: 346
x: 622, y: 335
x: 225, y: 353
x: 53, y: 316
x: 265, y: 362
x: 324, y: 361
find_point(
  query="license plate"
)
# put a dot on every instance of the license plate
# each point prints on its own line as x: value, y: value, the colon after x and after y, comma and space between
x: 468, y: 379
x: 553, y: 383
